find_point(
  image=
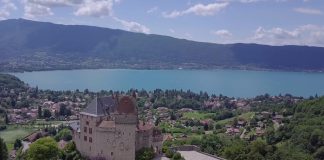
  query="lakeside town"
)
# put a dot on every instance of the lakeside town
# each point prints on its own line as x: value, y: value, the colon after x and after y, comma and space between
x: 185, y: 120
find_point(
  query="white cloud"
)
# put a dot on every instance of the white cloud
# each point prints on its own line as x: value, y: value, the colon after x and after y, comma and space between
x: 153, y: 9
x: 312, y: 35
x: 95, y: 8
x: 241, y: 1
x: 38, y: 8
x: 32, y: 10
x: 308, y: 11
x: 199, y: 9
x: 6, y: 6
x: 55, y: 3
x: 188, y: 35
x: 171, y: 30
x: 250, y: 1
x: 223, y: 33
x: 133, y: 26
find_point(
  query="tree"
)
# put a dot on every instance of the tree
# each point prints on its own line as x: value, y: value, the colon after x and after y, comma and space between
x: 3, y: 150
x: 206, y: 127
x: 169, y: 153
x: 6, y: 118
x: 17, y: 144
x: 64, y: 134
x: 70, y: 152
x: 258, y: 147
x: 145, y: 154
x: 173, y: 116
x: 39, y: 112
x: 177, y: 156
x: 319, y: 154
x: 64, y: 111
x: 235, y: 150
x: 47, y: 113
x: 211, y: 144
x: 157, y: 122
x: 43, y: 148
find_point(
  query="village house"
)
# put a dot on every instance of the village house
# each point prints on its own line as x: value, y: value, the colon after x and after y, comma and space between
x: 278, y: 118
x: 233, y: 131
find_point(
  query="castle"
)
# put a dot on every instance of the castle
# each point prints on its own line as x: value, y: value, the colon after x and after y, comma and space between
x: 109, y: 129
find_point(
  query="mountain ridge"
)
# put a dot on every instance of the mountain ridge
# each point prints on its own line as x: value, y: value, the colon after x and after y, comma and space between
x: 30, y: 45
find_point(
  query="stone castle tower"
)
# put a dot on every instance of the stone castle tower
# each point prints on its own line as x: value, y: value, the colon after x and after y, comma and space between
x: 109, y: 129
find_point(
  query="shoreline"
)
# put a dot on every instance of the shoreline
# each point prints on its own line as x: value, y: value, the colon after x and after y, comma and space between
x: 171, y: 68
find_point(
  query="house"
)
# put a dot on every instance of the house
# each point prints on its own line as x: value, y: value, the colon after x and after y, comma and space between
x: 266, y: 114
x: 278, y: 118
x: 241, y: 123
x: 233, y: 131
x: 259, y: 131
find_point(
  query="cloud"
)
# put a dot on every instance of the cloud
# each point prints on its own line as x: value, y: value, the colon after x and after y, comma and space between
x: 308, y: 11
x: 153, y: 9
x: 55, y: 3
x: 32, y: 11
x: 312, y: 35
x: 223, y: 33
x: 199, y: 9
x: 241, y: 1
x: 6, y: 6
x: 39, y: 8
x: 95, y: 8
x: 171, y: 30
x: 188, y: 35
x: 250, y: 1
x: 133, y: 26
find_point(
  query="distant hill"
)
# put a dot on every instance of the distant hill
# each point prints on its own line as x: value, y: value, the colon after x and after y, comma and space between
x: 10, y: 82
x: 30, y: 45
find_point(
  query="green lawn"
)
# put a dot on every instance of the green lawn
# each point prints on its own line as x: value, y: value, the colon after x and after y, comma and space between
x: 14, y: 132
x: 197, y: 115
x: 247, y: 116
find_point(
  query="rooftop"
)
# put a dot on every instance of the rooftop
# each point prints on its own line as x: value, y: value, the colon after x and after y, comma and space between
x: 101, y: 106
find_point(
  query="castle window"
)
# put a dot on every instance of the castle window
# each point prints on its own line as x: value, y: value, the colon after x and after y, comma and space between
x: 90, y: 130
x: 85, y: 129
x: 90, y: 139
x: 87, y: 122
x: 112, y: 153
x: 85, y: 138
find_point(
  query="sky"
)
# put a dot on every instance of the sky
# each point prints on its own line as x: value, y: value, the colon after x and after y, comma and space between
x: 272, y: 22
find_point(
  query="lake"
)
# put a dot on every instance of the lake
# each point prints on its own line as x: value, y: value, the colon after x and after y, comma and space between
x: 234, y: 83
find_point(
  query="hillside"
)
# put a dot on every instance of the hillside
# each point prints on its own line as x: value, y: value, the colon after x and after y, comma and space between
x: 10, y: 82
x: 30, y: 45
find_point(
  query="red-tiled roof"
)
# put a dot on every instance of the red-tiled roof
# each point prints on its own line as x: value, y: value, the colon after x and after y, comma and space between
x: 126, y: 105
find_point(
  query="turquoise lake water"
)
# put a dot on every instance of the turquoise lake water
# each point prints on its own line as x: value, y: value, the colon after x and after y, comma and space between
x: 234, y: 83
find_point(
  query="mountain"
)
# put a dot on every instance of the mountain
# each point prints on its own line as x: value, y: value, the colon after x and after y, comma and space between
x: 29, y: 45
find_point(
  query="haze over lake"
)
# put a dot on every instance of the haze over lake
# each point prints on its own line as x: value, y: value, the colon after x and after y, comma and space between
x: 236, y: 83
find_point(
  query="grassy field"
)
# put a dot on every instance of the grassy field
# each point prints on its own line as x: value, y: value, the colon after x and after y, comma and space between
x: 14, y: 132
x: 197, y: 115
x: 246, y: 116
